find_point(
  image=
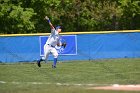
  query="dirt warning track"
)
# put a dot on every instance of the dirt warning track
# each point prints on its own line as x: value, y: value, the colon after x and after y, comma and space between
x: 118, y: 87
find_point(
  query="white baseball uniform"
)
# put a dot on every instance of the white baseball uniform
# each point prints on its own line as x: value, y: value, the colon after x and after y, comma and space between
x: 52, y: 41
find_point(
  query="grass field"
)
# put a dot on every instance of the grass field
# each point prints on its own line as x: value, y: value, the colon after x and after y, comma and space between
x: 68, y: 77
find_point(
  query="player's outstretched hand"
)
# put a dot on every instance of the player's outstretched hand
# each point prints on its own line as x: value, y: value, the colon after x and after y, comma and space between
x: 64, y: 44
x: 46, y: 17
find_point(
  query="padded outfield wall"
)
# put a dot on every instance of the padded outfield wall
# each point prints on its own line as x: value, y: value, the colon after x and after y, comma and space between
x: 80, y: 46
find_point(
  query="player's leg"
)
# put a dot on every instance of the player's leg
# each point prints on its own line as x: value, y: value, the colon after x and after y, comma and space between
x: 55, y: 54
x: 38, y: 62
x: 46, y: 54
x: 47, y: 50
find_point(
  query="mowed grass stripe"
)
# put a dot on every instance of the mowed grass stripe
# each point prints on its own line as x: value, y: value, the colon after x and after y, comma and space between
x: 74, y: 72
x: 113, y: 71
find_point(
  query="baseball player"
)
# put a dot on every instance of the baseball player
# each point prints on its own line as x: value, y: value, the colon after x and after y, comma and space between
x: 53, y: 40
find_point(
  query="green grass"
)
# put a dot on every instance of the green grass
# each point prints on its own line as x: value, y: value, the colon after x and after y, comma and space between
x: 98, y: 72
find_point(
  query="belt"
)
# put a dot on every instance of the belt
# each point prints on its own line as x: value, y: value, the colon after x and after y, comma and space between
x: 51, y: 45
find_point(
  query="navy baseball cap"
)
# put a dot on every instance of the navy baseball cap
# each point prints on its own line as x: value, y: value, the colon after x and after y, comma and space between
x: 58, y: 27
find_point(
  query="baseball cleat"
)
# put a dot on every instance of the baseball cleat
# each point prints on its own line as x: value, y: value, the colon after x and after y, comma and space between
x: 53, y: 66
x: 38, y: 63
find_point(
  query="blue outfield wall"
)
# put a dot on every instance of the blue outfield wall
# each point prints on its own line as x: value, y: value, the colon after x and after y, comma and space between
x: 88, y: 47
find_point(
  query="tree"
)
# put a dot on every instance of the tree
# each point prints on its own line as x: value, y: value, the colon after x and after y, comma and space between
x: 27, y: 16
x: 131, y: 14
x: 14, y: 18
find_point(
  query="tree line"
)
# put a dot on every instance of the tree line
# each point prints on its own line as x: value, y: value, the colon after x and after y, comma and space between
x: 27, y: 16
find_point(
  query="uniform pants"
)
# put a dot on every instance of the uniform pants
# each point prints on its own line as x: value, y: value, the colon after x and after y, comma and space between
x: 49, y: 49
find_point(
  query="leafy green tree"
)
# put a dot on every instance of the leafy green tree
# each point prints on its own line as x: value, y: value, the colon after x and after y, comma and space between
x: 131, y: 14
x: 14, y: 18
x: 27, y: 16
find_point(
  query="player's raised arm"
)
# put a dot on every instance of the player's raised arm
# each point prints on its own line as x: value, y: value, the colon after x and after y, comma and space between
x: 46, y: 17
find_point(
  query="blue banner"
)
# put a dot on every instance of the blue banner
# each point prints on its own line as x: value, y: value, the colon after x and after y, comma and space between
x: 70, y: 49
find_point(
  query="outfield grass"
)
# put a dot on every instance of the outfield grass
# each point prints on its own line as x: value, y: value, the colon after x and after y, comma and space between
x: 28, y: 78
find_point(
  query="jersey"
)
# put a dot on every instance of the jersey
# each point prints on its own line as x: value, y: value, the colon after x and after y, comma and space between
x: 54, y: 38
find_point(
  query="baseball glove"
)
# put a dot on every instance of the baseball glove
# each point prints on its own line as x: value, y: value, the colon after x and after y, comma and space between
x: 64, y: 44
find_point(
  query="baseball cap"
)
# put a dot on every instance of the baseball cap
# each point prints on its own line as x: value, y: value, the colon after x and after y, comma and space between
x: 58, y: 27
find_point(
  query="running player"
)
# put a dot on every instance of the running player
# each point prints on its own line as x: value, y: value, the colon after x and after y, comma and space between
x: 53, y: 40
